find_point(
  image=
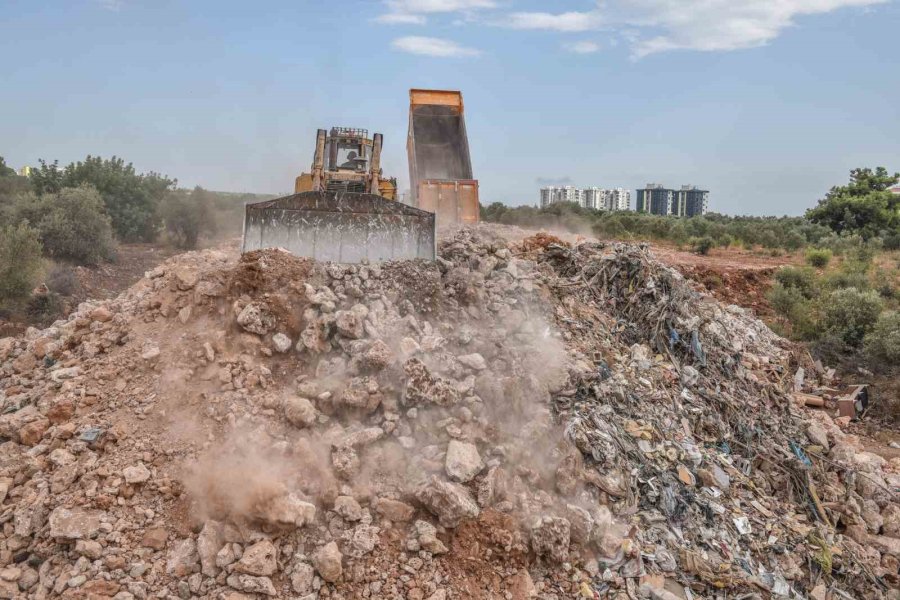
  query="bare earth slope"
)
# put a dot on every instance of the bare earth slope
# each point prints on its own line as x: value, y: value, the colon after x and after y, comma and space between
x: 521, y: 418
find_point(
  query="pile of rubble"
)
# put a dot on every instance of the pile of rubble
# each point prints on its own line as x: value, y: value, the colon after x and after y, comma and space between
x: 517, y: 419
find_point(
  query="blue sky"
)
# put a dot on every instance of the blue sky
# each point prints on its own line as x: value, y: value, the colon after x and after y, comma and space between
x: 767, y: 104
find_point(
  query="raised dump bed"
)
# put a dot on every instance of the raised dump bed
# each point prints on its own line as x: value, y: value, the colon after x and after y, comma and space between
x: 440, y: 168
x: 340, y: 227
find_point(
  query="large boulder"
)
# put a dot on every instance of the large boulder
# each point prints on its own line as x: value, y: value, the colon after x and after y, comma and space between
x: 260, y: 560
x: 327, y: 561
x: 448, y: 501
x: 462, y: 462
x: 74, y: 523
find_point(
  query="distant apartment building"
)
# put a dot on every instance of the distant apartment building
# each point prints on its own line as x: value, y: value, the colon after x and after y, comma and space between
x: 593, y: 197
x: 691, y: 201
x: 25, y: 171
x: 656, y: 199
x: 895, y: 189
x: 572, y: 194
x: 549, y: 195
x: 618, y: 199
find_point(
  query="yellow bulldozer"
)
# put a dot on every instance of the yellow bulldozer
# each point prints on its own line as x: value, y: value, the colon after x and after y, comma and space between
x: 347, y: 160
x: 345, y: 210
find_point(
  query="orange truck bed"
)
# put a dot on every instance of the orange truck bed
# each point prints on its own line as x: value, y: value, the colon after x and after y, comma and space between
x: 440, y: 168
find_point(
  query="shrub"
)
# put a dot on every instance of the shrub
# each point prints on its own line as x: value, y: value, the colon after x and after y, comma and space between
x: 793, y: 240
x: 20, y: 263
x: 71, y: 224
x: 849, y: 314
x: 795, y: 308
x: 702, y: 245
x: 882, y: 344
x: 802, y: 279
x: 186, y: 216
x: 846, y: 278
x: 62, y: 280
x: 44, y: 308
x: 818, y: 257
x: 891, y: 241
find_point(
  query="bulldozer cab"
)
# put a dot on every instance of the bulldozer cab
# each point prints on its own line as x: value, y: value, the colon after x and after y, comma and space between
x: 348, y: 149
x: 346, y: 159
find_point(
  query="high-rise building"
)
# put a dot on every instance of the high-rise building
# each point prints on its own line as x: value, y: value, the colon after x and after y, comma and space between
x: 571, y: 193
x: 655, y: 199
x: 691, y: 201
x: 549, y: 195
x: 618, y: 199
x: 593, y: 197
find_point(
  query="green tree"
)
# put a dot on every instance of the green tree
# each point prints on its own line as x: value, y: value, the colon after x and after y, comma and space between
x: 131, y: 199
x: 6, y: 171
x: 850, y: 314
x: 186, y: 216
x: 864, y: 206
x: 20, y: 264
x: 71, y: 223
x: 883, y: 342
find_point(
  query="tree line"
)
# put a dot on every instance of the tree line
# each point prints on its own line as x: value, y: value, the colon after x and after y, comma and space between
x: 863, y: 210
x: 77, y: 213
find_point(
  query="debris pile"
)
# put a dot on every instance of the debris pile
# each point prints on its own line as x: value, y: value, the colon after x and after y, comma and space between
x: 517, y: 419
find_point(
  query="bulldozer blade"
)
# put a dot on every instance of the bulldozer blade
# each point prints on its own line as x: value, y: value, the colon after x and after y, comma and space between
x: 341, y: 227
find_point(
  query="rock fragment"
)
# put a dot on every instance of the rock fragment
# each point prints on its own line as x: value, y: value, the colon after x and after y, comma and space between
x: 299, y: 411
x: 448, y: 501
x: 260, y: 560
x: 136, y: 474
x: 327, y: 561
x: 256, y: 318
x: 74, y: 523
x: 462, y: 462
x: 550, y: 537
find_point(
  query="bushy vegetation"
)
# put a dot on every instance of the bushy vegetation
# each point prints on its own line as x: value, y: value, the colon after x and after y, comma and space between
x: 702, y: 245
x: 74, y: 215
x: 186, y: 215
x: 847, y: 313
x: 131, y: 199
x: 20, y: 263
x: 71, y: 223
x: 818, y: 257
x: 781, y: 233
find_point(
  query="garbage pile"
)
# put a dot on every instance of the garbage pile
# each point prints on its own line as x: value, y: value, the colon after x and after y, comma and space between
x: 517, y: 419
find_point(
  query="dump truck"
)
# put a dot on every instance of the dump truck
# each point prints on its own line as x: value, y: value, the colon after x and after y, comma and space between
x: 342, y: 210
x: 440, y: 168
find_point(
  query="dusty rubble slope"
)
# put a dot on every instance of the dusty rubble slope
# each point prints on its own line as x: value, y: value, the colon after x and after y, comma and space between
x: 516, y: 420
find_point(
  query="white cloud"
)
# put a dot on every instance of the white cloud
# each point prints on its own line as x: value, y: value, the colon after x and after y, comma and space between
x: 412, y: 12
x: 583, y: 47
x: 437, y: 6
x: 568, y: 21
x: 652, y: 26
x: 400, y: 19
x: 113, y: 5
x: 429, y: 46
x: 710, y: 25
